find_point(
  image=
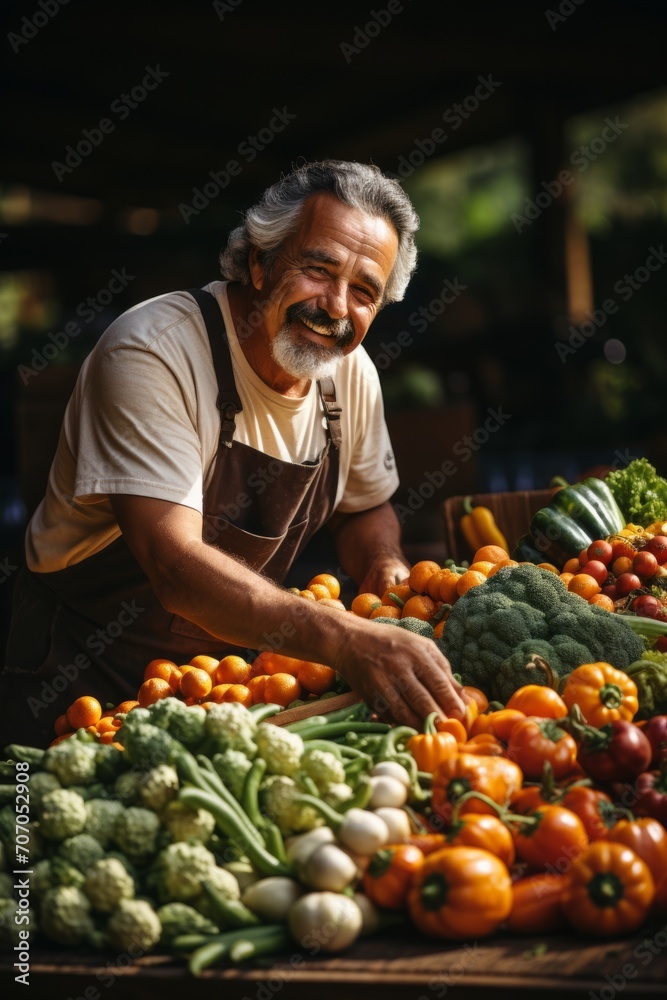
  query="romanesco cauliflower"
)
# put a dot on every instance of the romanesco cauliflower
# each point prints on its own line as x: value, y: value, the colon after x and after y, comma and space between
x: 277, y: 795
x: 186, y: 723
x: 185, y: 823
x: 233, y: 767
x: 41, y: 782
x: 181, y: 918
x: 179, y: 870
x: 324, y: 767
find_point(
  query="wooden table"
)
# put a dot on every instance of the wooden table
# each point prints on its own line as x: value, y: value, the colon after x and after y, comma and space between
x: 397, y: 966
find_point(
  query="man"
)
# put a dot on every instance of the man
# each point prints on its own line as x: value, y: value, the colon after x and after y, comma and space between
x: 210, y: 434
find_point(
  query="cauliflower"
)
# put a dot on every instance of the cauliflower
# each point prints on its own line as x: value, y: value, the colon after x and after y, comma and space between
x: 180, y: 918
x: 82, y: 850
x: 134, y: 927
x: 158, y: 786
x: 277, y: 795
x: 324, y: 767
x: 185, y: 823
x: 62, y: 813
x: 72, y: 761
x: 146, y: 745
x: 230, y: 726
x: 226, y: 884
x: 64, y: 914
x: 9, y: 929
x: 108, y: 764
x: 180, y: 869
x: 40, y: 783
x: 337, y: 794
x: 101, y: 814
x: 48, y: 873
x: 107, y: 883
x: 126, y: 787
x: 232, y: 766
x: 186, y: 723
x: 136, y: 831
x: 280, y: 748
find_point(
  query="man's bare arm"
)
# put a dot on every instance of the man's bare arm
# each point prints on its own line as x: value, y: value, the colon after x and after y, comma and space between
x: 369, y: 548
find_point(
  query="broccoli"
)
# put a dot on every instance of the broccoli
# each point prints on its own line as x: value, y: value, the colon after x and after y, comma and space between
x: 186, y: 723
x: 51, y: 872
x: 82, y: 850
x: 64, y: 915
x: 134, y: 927
x: 185, y: 823
x: 72, y: 761
x: 62, y: 814
x: 232, y: 766
x: 101, y: 814
x: 409, y: 623
x: 135, y: 832
x: 230, y: 726
x: 40, y: 783
x: 126, y: 788
x: 146, y: 745
x: 107, y: 883
x: 181, y: 918
x: 564, y: 629
x: 640, y: 492
x: 280, y: 748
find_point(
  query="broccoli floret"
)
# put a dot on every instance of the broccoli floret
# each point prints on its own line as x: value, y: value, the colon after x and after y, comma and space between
x: 185, y: 823
x: 135, y: 832
x: 72, y: 761
x: 82, y: 850
x: 107, y: 883
x: 186, y: 723
x: 181, y: 918
x: 101, y: 814
x: 230, y: 726
x: 147, y: 746
x: 40, y: 783
x: 323, y: 767
x: 409, y: 623
x: 158, y: 786
x: 232, y: 766
x: 64, y: 915
x: 276, y: 795
x: 51, y: 872
x: 62, y: 814
x: 179, y: 870
x: 134, y: 927
x: 280, y: 748
x: 126, y: 788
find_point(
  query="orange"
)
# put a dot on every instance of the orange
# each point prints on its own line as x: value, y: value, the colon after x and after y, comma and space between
x: 332, y: 602
x: 316, y: 678
x: 277, y: 663
x: 490, y: 553
x: 232, y: 670
x: 439, y: 629
x: 420, y: 606
x: 566, y: 577
x: 108, y: 724
x: 401, y: 590
x: 281, y: 689
x: 421, y: 573
x: 156, y: 667
x: 217, y: 692
x: 204, y: 662
x: 363, y: 604
x: 256, y: 687
x: 584, y: 585
x: 327, y: 580
x: 448, y: 585
x: 572, y: 565
x: 501, y: 564
x: 484, y: 566
x: 602, y: 601
x: 195, y: 683
x: 238, y: 692
x: 434, y: 581
x: 549, y: 566
x: 62, y: 726
x: 471, y: 578
x: 320, y: 591
x: 309, y: 595
x: 124, y: 706
x: 153, y: 690
x: 386, y: 611
x: 84, y: 711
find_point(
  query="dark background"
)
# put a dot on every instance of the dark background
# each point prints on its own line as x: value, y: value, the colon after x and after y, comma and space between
x: 559, y: 71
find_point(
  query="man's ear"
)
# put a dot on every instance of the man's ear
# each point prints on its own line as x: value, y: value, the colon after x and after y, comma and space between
x: 257, y: 272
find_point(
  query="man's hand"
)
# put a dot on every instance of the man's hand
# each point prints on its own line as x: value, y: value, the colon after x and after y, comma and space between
x: 369, y: 548
x: 384, y: 573
x: 401, y: 674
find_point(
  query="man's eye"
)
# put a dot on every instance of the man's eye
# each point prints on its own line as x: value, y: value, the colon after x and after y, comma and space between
x: 316, y: 269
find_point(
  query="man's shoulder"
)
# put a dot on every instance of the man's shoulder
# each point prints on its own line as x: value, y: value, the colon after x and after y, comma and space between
x: 149, y: 323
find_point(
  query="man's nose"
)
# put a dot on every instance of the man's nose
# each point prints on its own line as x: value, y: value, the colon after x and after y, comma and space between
x: 334, y: 300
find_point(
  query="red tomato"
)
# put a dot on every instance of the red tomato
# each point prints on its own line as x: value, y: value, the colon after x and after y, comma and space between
x: 644, y: 564
x: 627, y: 582
x: 623, y: 547
x: 600, y: 550
x: 658, y: 547
x: 598, y: 570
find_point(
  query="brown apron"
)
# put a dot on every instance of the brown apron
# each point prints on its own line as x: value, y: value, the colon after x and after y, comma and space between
x: 92, y: 628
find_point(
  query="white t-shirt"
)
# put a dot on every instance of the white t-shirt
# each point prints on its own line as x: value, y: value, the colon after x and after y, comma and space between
x: 143, y: 420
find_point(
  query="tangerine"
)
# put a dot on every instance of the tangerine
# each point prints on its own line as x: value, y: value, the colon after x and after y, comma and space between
x: 153, y: 690
x: 327, y: 580
x: 490, y: 553
x: 316, y: 678
x: 195, y: 683
x: 232, y: 670
x: 363, y: 604
x: 281, y: 689
x: 421, y: 573
x: 84, y: 711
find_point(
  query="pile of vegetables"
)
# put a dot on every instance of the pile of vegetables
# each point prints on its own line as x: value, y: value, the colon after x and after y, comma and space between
x: 640, y: 492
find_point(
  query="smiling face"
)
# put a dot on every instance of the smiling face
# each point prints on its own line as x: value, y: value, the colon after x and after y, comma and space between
x: 322, y: 293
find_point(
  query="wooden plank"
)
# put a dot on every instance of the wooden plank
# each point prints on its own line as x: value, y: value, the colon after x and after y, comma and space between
x: 316, y: 707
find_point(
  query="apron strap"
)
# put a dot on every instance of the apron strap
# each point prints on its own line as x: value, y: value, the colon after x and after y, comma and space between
x: 228, y: 401
x: 332, y: 409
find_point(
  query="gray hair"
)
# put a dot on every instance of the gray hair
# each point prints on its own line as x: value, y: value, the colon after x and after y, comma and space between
x: 267, y: 224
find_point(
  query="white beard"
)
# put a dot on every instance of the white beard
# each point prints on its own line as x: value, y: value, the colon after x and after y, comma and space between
x: 303, y: 359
